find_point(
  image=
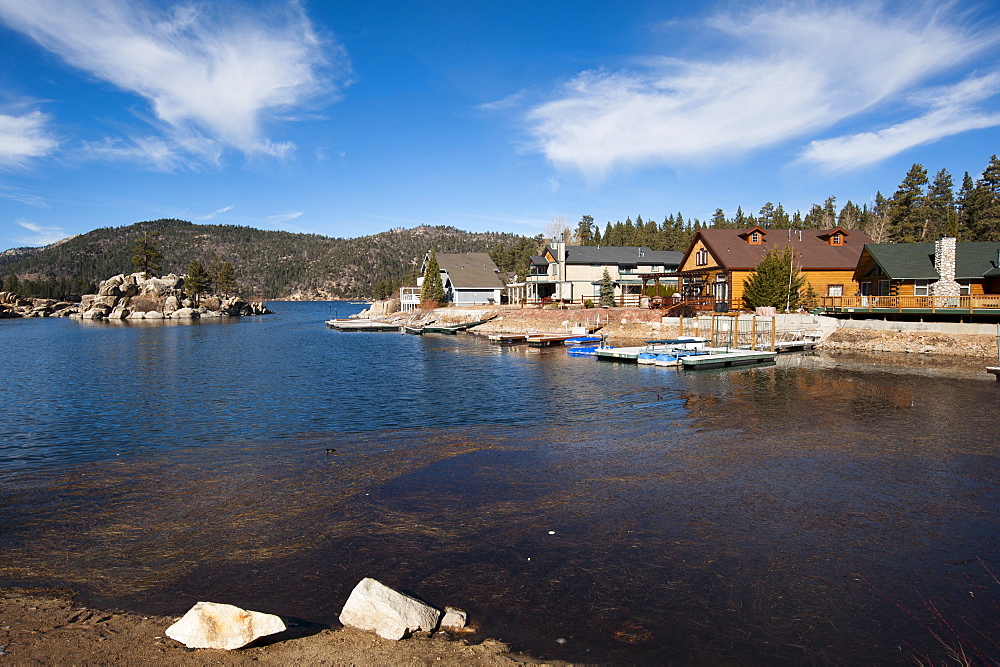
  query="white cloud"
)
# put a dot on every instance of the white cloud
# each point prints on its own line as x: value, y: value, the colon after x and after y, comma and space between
x: 786, y: 72
x: 18, y: 195
x: 213, y: 72
x: 224, y: 209
x: 952, y: 110
x: 283, y: 217
x: 40, y: 235
x: 23, y: 137
x: 151, y: 153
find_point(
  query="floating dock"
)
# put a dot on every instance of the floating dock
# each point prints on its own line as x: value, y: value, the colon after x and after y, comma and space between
x: 995, y: 370
x: 718, y: 358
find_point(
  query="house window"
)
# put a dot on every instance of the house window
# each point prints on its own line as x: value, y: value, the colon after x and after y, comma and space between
x: 883, y: 288
x: 965, y: 287
x: 755, y: 238
x: 837, y: 239
x: 835, y: 290
x: 701, y: 258
x: 920, y: 287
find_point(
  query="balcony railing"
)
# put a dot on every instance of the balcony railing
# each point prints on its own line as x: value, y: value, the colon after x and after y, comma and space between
x: 901, y: 303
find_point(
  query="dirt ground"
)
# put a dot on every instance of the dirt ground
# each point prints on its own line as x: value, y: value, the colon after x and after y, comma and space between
x: 48, y: 627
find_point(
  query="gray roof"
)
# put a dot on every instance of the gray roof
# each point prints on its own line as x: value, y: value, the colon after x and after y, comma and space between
x: 620, y: 255
x: 915, y: 261
x: 470, y: 270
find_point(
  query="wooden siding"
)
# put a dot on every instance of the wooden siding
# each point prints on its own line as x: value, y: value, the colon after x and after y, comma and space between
x: 692, y: 257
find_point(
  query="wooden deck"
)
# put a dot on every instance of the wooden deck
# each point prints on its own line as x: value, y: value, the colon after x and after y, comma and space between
x: 995, y: 370
x: 980, y: 305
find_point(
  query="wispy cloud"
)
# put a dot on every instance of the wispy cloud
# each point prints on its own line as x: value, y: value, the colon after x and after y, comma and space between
x: 224, y: 209
x: 213, y: 73
x: 283, y: 217
x: 786, y: 73
x: 19, y: 195
x: 151, y: 153
x: 24, y: 137
x: 952, y: 110
x: 41, y: 235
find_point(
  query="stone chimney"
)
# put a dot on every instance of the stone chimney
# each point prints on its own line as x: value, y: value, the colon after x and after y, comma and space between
x: 944, y: 263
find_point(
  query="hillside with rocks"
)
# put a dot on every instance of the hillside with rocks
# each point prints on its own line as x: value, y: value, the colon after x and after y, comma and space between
x: 268, y: 264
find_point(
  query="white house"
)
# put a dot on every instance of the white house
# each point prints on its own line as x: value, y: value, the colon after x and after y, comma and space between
x: 469, y: 279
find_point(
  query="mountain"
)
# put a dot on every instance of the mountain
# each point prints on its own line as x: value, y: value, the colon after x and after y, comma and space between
x: 268, y: 264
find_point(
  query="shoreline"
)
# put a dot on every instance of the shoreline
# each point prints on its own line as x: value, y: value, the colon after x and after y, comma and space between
x: 50, y: 625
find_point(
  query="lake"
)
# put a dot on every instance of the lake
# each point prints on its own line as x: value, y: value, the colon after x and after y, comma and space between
x: 830, y: 508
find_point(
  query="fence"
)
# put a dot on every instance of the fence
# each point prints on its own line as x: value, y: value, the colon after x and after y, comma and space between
x: 900, y: 303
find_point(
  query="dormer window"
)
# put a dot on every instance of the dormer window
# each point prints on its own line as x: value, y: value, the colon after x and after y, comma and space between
x: 835, y: 237
x: 753, y: 236
x: 701, y: 258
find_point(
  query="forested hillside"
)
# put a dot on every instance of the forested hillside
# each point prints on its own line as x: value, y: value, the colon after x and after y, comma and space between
x: 268, y: 264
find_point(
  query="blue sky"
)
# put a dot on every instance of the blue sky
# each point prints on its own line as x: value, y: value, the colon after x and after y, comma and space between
x: 348, y: 118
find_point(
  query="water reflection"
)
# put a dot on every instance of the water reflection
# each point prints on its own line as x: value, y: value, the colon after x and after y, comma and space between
x: 643, y: 515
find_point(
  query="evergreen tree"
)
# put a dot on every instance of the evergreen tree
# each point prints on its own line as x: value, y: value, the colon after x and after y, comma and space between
x: 197, y: 281
x: 780, y: 219
x: 597, y: 236
x: 776, y: 281
x: 966, y: 206
x: 607, y: 290
x: 850, y: 216
x: 146, y: 254
x: 719, y: 219
x: 986, y: 204
x: 942, y: 219
x: 765, y: 217
x: 585, y: 230
x: 225, y: 279
x: 432, y: 288
x: 12, y: 284
x: 908, y: 214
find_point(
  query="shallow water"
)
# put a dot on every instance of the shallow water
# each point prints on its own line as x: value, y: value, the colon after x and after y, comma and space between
x: 806, y: 511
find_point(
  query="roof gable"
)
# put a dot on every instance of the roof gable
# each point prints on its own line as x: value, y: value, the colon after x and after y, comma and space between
x: 915, y: 261
x: 470, y: 270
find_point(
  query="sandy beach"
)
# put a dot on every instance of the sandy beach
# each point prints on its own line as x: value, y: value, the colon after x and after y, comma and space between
x: 48, y: 626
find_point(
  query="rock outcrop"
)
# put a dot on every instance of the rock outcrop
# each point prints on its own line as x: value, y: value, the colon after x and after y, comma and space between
x: 214, y: 625
x: 134, y: 297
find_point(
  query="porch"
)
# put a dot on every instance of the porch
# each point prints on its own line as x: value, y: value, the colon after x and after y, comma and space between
x: 946, y: 307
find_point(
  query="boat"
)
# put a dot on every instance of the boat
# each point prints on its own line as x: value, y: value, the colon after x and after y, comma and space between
x: 416, y: 329
x: 587, y: 350
x: 454, y: 328
x: 507, y: 338
x: 362, y: 325
x: 583, y: 340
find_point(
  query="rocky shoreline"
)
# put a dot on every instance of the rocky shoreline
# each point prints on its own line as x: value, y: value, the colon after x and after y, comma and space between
x: 134, y: 297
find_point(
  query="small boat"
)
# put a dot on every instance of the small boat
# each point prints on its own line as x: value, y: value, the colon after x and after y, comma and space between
x: 455, y: 328
x: 583, y: 340
x: 587, y: 351
x: 415, y: 329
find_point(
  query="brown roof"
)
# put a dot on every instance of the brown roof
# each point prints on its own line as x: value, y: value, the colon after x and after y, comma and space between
x: 810, y: 245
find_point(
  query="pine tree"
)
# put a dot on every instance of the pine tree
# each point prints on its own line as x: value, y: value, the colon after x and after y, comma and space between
x: 986, y: 197
x: 719, y: 219
x: 966, y: 208
x: 197, y: 280
x: 908, y: 219
x: 585, y: 230
x: 607, y: 290
x: 766, y: 215
x: 225, y: 279
x: 146, y: 253
x: 776, y: 281
x: 432, y: 288
x: 941, y: 216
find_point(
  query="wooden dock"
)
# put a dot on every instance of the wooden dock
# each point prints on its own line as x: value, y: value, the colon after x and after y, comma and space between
x: 995, y: 370
x: 719, y: 358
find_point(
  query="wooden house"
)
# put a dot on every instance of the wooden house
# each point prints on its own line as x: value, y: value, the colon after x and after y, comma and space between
x: 912, y: 269
x: 718, y: 261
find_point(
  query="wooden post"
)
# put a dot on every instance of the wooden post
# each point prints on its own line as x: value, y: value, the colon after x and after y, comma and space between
x: 734, y: 323
x: 753, y: 333
x: 774, y: 327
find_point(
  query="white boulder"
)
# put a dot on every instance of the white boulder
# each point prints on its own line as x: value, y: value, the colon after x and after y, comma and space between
x: 454, y: 619
x: 185, y: 314
x: 375, y: 607
x: 214, y: 625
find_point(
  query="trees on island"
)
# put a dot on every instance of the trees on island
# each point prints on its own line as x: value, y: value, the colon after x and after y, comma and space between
x: 147, y: 254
